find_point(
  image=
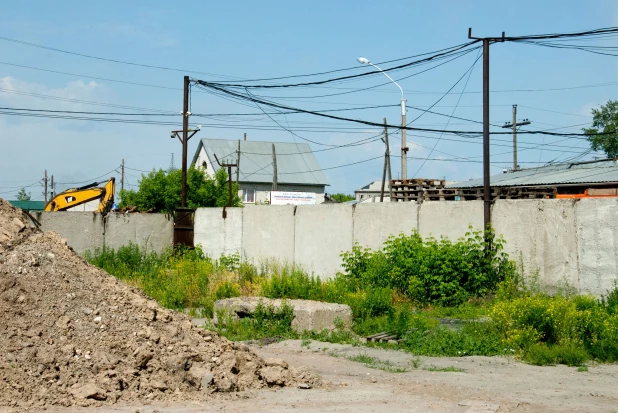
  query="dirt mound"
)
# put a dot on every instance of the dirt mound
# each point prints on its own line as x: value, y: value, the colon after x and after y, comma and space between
x: 72, y: 334
x: 13, y: 225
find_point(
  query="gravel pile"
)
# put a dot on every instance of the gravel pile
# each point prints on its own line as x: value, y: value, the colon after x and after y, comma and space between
x: 71, y: 334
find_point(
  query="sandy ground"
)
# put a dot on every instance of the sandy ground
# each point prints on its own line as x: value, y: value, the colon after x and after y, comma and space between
x: 495, y: 384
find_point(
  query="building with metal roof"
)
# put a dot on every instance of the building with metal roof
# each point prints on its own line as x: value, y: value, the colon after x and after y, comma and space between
x: 29, y: 205
x: 298, y: 169
x: 575, y: 178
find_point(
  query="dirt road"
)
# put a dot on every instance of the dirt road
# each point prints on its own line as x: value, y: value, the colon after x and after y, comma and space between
x: 495, y: 384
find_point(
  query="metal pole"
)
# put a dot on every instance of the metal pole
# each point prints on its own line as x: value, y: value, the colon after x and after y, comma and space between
x: 274, y: 169
x: 122, y: 176
x: 52, y: 188
x: 185, y: 139
x: 385, y: 162
x: 514, y: 137
x: 404, y: 147
x: 238, y: 163
x: 45, y: 181
x: 486, y: 172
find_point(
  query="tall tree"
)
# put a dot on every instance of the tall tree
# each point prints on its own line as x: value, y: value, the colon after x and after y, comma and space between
x: 160, y: 191
x: 605, y: 121
x: 22, y: 195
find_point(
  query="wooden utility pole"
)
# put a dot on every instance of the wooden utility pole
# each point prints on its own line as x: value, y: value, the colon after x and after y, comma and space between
x: 122, y: 176
x: 52, y: 195
x: 486, y: 172
x: 274, y: 169
x: 229, y: 167
x: 184, y: 139
x: 514, y: 125
x: 404, y: 145
x: 45, y: 184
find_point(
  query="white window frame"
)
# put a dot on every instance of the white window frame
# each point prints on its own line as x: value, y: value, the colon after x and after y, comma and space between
x: 245, y: 192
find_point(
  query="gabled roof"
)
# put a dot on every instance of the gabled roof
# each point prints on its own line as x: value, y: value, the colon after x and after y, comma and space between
x: 296, y: 163
x: 603, y: 171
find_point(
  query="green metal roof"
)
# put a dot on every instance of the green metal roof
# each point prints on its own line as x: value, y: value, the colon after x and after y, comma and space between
x: 29, y: 205
x: 296, y: 163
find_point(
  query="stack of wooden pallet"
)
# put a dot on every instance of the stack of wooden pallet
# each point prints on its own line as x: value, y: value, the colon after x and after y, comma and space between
x: 419, y: 189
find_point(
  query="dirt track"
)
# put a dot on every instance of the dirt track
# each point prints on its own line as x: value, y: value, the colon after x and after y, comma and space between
x: 486, y: 385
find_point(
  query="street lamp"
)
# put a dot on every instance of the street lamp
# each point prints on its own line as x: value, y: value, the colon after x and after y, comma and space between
x: 404, y: 148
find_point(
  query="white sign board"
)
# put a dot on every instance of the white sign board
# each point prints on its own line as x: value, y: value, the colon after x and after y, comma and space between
x: 292, y: 198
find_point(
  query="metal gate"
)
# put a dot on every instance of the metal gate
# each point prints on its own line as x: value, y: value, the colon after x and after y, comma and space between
x: 183, y: 227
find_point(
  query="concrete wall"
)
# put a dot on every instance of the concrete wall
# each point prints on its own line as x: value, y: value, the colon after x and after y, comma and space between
x: 87, y: 230
x: 542, y: 236
x: 597, y: 241
x: 268, y: 232
x: 375, y: 222
x: 218, y: 235
x: 322, y: 233
x: 449, y: 219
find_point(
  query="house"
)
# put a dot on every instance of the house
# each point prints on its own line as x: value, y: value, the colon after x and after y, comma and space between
x: 565, y: 180
x: 371, y: 190
x: 298, y: 170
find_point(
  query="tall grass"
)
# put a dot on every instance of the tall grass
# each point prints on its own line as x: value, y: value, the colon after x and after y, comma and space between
x: 504, y: 314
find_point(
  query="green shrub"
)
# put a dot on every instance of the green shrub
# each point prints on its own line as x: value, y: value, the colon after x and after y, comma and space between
x: 431, y: 271
x: 540, y: 355
x: 571, y: 354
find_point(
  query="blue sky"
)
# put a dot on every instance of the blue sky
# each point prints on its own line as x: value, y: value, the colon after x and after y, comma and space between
x: 251, y: 40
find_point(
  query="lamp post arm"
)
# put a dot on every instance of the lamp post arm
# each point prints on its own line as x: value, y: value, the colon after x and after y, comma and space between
x: 389, y: 78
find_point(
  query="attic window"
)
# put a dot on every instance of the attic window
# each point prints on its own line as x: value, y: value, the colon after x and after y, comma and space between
x: 204, y: 165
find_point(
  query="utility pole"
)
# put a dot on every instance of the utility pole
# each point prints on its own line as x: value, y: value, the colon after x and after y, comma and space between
x: 274, y: 169
x: 229, y: 167
x: 45, y: 184
x: 514, y: 125
x: 122, y: 176
x: 238, y: 161
x: 53, y: 192
x: 184, y: 139
x: 404, y: 146
x: 486, y: 173
x: 387, y: 165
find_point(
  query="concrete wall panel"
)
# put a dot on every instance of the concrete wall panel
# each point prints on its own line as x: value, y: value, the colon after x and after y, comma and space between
x: 322, y: 233
x: 597, y: 235
x: 449, y: 219
x: 540, y: 233
x: 83, y: 230
x: 375, y: 222
x: 217, y: 235
x: 152, y: 232
x: 268, y: 232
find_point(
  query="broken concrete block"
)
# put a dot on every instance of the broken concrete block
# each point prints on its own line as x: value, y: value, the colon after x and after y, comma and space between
x: 308, y: 315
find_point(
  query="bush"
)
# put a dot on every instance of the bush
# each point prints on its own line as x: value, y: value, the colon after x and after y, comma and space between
x: 431, y: 271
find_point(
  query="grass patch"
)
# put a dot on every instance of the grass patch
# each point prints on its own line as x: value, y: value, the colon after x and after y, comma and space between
x: 449, y: 369
x: 376, y: 363
x: 582, y: 369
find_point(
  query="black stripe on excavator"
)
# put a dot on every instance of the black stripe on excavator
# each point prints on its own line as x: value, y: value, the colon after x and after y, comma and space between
x: 92, y: 185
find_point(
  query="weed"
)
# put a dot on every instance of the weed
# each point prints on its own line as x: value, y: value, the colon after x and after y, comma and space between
x: 448, y: 369
x: 376, y: 363
x: 582, y: 369
x: 305, y: 342
x: 416, y: 362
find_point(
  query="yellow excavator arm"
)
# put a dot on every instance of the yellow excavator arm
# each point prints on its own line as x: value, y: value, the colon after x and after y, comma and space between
x: 78, y: 196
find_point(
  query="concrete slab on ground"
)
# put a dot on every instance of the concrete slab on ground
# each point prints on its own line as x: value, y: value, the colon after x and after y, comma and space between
x: 308, y: 315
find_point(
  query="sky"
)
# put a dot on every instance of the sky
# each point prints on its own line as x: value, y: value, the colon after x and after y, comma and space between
x: 222, y: 41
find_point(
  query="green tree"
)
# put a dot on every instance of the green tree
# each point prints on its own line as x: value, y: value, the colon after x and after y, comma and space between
x: 22, y: 195
x: 340, y: 197
x: 605, y: 121
x: 160, y: 191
